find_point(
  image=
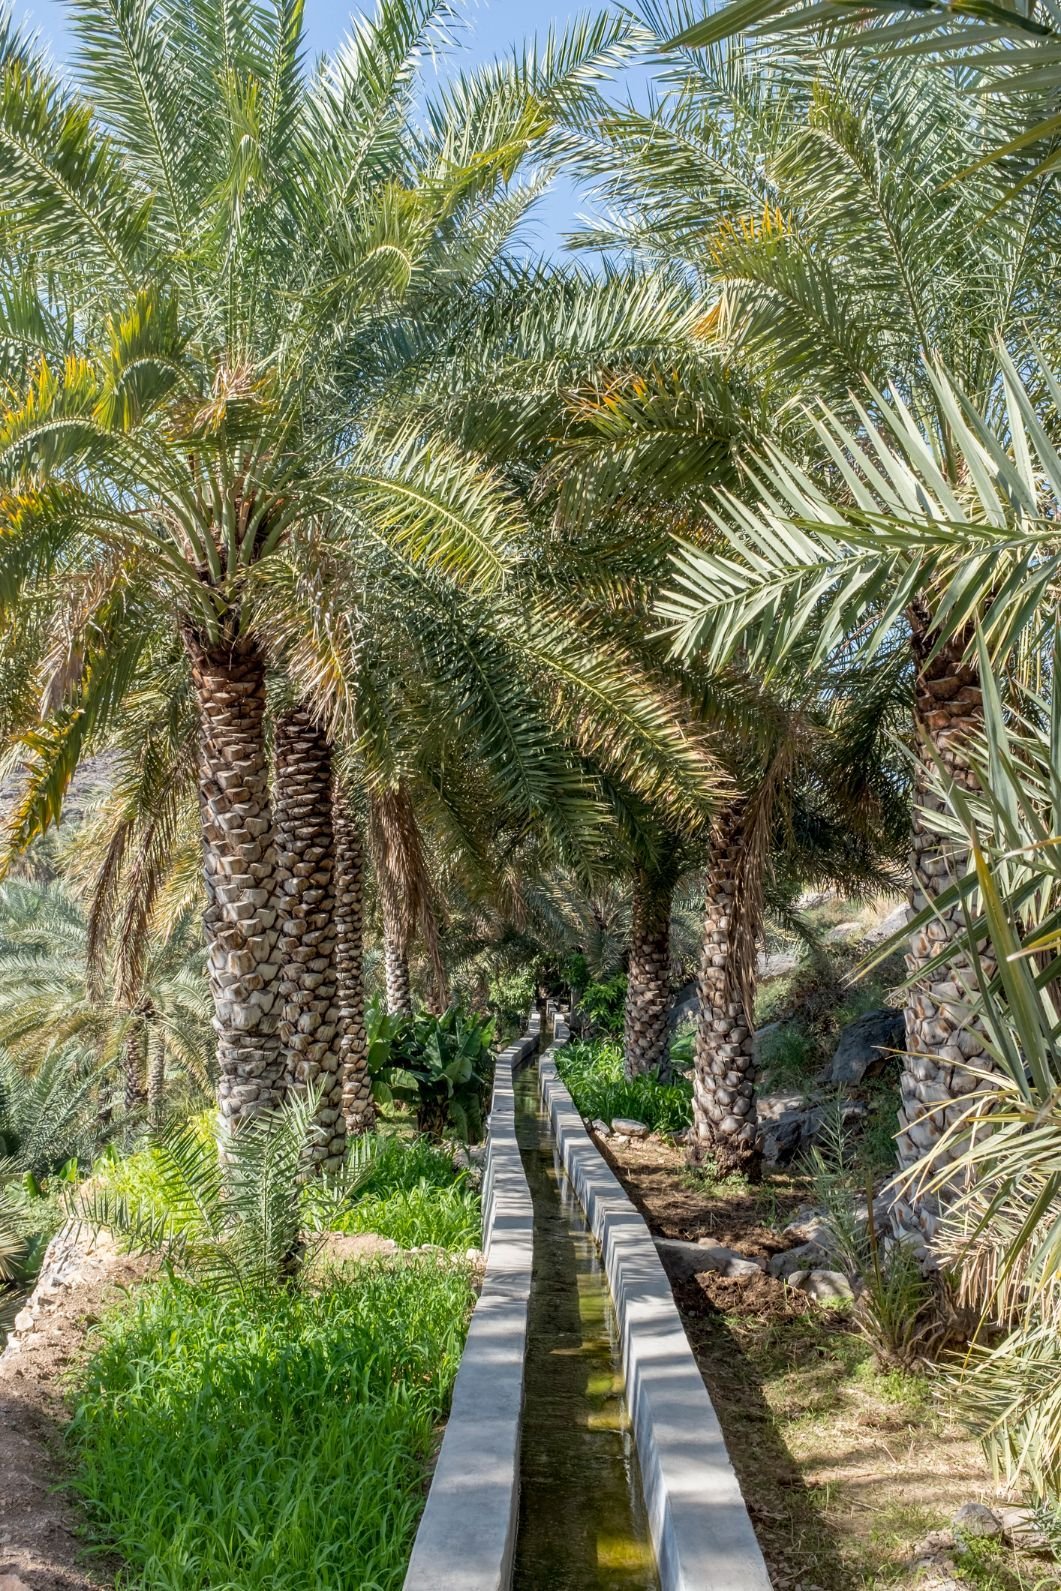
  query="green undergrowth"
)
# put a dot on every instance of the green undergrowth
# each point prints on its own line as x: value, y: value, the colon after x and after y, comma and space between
x: 272, y: 1442
x: 412, y: 1194
x: 447, y: 1217
x: 593, y: 1073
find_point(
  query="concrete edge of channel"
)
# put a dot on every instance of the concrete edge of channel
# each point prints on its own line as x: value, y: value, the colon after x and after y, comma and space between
x: 701, y: 1530
x: 467, y: 1531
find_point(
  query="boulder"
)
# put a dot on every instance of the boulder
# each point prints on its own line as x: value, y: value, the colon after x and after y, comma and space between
x: 895, y: 921
x: 805, y: 1257
x: 600, y: 1128
x: 628, y: 1128
x: 864, y: 1043
x: 777, y: 965
x: 824, y: 1287
x: 692, y: 1259
x: 976, y: 1519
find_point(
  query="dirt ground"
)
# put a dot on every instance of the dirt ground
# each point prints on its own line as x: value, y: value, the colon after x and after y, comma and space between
x: 39, y: 1547
x: 844, y: 1469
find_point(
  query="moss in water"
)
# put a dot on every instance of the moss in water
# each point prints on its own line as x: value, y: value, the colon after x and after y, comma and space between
x: 582, y: 1523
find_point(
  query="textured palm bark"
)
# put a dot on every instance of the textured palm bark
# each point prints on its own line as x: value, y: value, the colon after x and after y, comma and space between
x: 239, y: 869
x: 942, y: 1044
x: 725, y: 1120
x: 358, y: 1108
x: 133, y: 1066
x: 156, y: 1075
x: 305, y: 842
x: 396, y: 969
x: 648, y: 994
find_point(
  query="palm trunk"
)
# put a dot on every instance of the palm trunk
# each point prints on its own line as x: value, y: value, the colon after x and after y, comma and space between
x: 725, y: 1120
x: 305, y: 840
x: 358, y: 1108
x: 941, y: 1044
x: 156, y: 1075
x: 648, y: 973
x: 239, y: 866
x: 396, y: 968
x: 132, y: 1066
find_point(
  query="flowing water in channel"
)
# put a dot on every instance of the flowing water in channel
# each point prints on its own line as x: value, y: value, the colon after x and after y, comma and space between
x: 582, y: 1523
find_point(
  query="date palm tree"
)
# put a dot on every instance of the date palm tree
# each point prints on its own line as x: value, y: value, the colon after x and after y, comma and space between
x: 893, y: 539
x: 205, y: 258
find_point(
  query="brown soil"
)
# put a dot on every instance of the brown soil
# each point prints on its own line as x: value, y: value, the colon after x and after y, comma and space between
x: 844, y: 1469
x: 40, y: 1547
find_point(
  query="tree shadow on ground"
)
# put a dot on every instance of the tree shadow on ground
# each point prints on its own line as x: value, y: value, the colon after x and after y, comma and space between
x: 798, y: 1543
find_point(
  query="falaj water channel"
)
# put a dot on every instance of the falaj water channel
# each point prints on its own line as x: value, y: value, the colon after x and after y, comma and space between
x: 582, y: 1522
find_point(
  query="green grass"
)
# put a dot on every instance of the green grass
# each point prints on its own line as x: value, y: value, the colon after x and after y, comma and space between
x: 273, y: 1443
x: 789, y: 1058
x: 593, y: 1073
x: 448, y: 1217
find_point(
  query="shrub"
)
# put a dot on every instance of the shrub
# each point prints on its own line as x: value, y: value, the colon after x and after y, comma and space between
x: 438, y: 1066
x: 593, y: 1073
x: 604, y: 1004
x: 510, y: 996
x: 306, y: 1426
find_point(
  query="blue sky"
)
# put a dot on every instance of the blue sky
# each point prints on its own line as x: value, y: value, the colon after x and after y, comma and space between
x: 493, y: 26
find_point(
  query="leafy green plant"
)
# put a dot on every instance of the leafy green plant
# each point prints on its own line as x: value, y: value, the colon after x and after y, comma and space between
x: 511, y: 994
x: 604, y: 1005
x: 441, y: 1068
x: 307, y: 1422
x: 593, y: 1073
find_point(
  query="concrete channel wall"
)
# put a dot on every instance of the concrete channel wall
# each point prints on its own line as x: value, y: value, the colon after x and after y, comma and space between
x: 468, y: 1530
x: 700, y: 1527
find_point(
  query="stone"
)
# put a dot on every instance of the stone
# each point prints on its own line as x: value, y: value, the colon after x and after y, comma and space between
x: 894, y: 923
x: 824, y: 1287
x: 630, y: 1128
x: 13, y: 1582
x: 352, y: 1248
x: 863, y: 1046
x: 778, y: 965
x: 692, y: 1259
x: 1021, y: 1528
x: 803, y: 1257
x: 601, y: 1128
x: 976, y: 1519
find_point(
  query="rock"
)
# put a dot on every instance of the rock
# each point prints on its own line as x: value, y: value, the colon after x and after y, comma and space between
x: 815, y: 1230
x: 693, y: 1259
x: 353, y: 1248
x: 600, y: 1128
x: 13, y: 1582
x: 825, y: 1287
x: 895, y: 921
x: 976, y: 1519
x: 778, y: 965
x: 685, y: 1008
x: 1021, y: 1528
x: 727, y: 1262
x: 859, y: 1055
x: 783, y: 1118
x: 803, y: 1257
x: 475, y: 1255
x: 630, y: 1128
x: 683, y: 1136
